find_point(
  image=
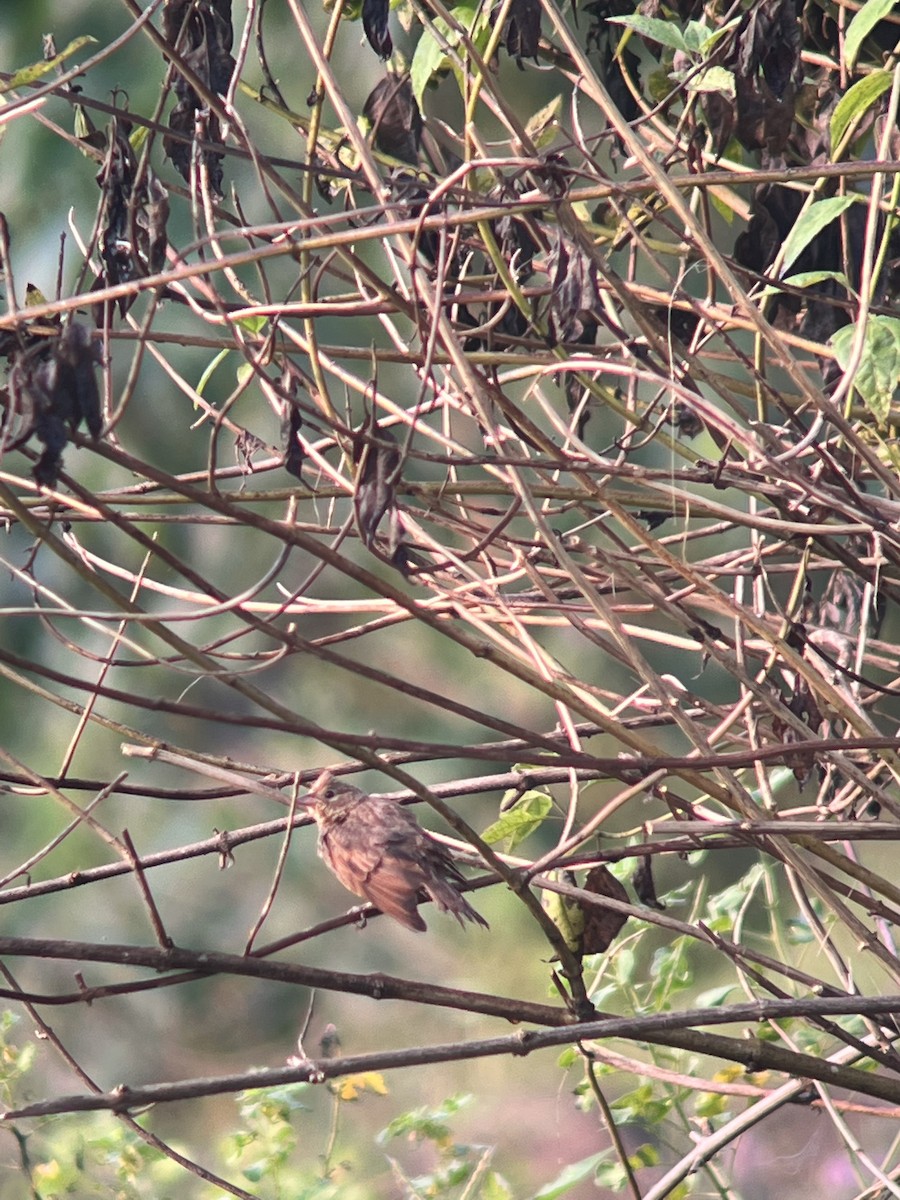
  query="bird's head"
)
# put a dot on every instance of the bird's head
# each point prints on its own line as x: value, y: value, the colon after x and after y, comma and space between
x: 329, y: 797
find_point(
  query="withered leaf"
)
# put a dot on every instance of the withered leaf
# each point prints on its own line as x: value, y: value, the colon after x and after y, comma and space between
x: 133, y: 226
x: 575, y: 390
x: 763, y: 119
x: 652, y: 519
x: 293, y: 450
x: 587, y: 928
x: 377, y: 459
x: 719, y: 111
x: 152, y: 218
x: 575, y: 291
x: 202, y: 36
x: 769, y: 39
x: 406, y: 189
x: 523, y: 29
x: 375, y: 26
x: 396, y: 121
x: 77, y: 357
x: 52, y: 389
x: 602, y: 924
x: 514, y: 237
x: 643, y: 883
x: 685, y: 419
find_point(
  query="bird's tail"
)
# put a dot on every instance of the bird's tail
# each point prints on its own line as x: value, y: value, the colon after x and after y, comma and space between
x: 448, y: 899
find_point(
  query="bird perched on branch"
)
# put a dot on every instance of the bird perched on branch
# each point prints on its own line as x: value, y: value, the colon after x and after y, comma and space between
x: 378, y: 850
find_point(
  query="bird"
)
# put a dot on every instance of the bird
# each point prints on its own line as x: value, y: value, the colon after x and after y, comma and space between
x: 378, y: 850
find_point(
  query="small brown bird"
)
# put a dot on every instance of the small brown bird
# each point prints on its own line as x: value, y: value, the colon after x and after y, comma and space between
x: 378, y: 850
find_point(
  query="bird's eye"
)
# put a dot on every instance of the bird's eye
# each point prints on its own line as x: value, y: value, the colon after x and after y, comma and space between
x: 328, y: 793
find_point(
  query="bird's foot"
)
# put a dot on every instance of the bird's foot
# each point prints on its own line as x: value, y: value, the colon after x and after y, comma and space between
x: 359, y: 915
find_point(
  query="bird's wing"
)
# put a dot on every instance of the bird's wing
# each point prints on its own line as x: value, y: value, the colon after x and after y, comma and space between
x: 374, y: 864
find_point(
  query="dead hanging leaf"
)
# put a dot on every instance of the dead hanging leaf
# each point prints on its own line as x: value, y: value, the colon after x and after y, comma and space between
x: 575, y: 291
x: 246, y: 444
x: 588, y: 928
x: 767, y: 72
x: 77, y: 356
x: 513, y: 234
x: 287, y: 410
x: 578, y: 399
x: 769, y: 41
x: 602, y: 924
x: 763, y: 120
x: 133, y: 236
x: 407, y: 189
x: 618, y: 65
x: 685, y: 419
x: 841, y: 608
x: 377, y: 459
x: 395, y: 118
x: 644, y: 885
x: 189, y: 27
x: 375, y: 26
x: 293, y: 449
x: 152, y: 218
x: 116, y: 179
x: 718, y: 110
x: 202, y: 37
x: 52, y: 389
x: 677, y: 323
x: 523, y: 30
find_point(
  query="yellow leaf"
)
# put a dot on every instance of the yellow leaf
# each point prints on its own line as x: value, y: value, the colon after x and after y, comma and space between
x: 372, y: 1081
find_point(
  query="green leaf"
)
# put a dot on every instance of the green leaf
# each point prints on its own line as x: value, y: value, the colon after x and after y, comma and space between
x: 854, y: 103
x: 571, y: 1175
x: 253, y: 325
x: 568, y: 917
x: 36, y: 71
x: 624, y: 965
x: 643, y: 1106
x: 429, y: 1124
x: 725, y: 211
x: 429, y: 57
x: 138, y: 137
x: 713, y: 79
x: 714, y: 36
x: 695, y: 35
x: 651, y: 27
x: 427, y: 60
x: 862, y: 25
x: 797, y: 930
x: 646, y: 1155
x: 209, y: 369
x: 711, y: 1104
x: 811, y: 223
x: 544, y: 126
x: 568, y: 1058
x: 808, y: 278
x: 521, y: 821
x: 715, y: 997
x: 495, y: 1187
x: 878, y: 373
